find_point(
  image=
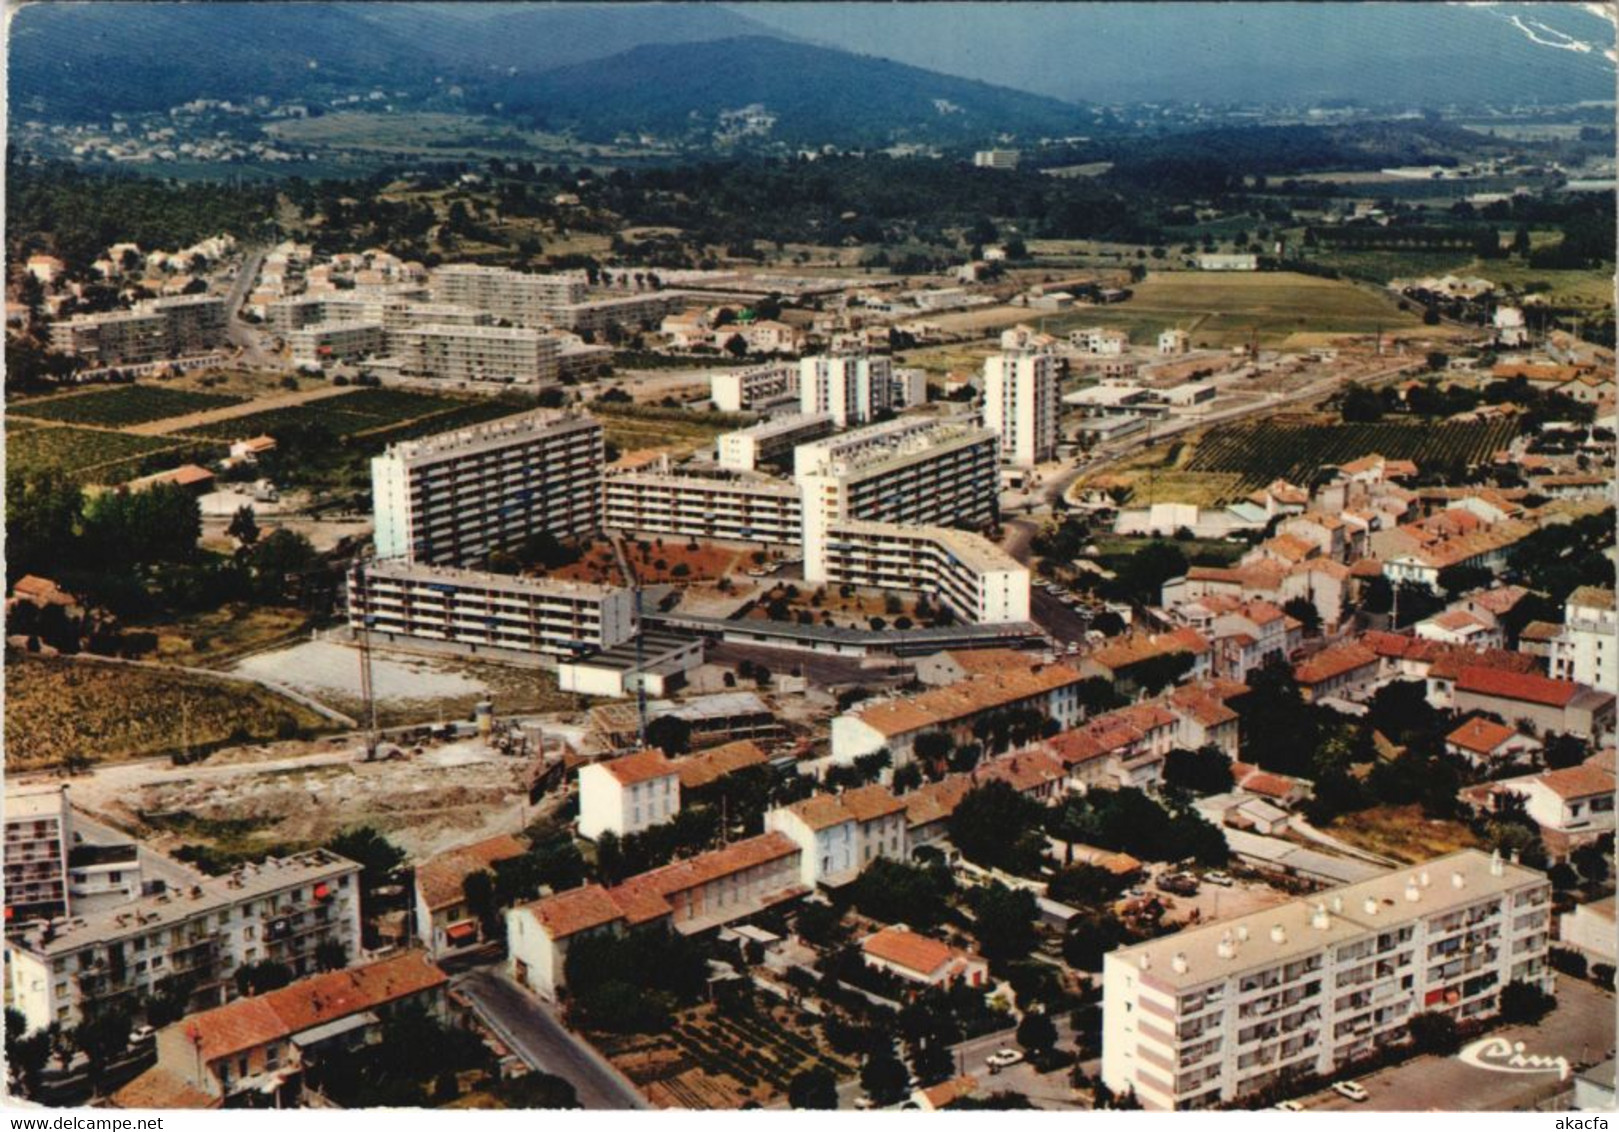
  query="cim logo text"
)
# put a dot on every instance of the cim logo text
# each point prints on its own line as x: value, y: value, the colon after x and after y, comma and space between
x: 1498, y: 1055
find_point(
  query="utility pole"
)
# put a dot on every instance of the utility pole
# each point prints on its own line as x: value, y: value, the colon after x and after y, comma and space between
x: 363, y: 639
x: 640, y: 673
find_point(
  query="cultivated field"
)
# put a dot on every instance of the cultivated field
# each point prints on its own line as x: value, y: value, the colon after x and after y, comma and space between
x: 1294, y: 449
x: 365, y: 412
x: 105, y: 712
x: 118, y: 406
x: 91, y: 456
x: 632, y: 428
x: 1226, y: 308
x: 1401, y: 832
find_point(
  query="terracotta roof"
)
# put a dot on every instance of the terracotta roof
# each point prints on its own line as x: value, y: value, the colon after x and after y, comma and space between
x: 439, y: 879
x: 913, y: 952
x: 32, y: 585
x: 576, y: 910
x: 1481, y: 736
x: 976, y: 661
x: 868, y: 803
x: 1127, y: 651
x: 820, y: 811
x: 1269, y: 785
x: 949, y: 1092
x: 710, y: 766
x: 1205, y: 709
x: 966, y: 698
x: 1591, y: 597
x: 1288, y: 547
x: 1456, y: 620
x: 936, y: 801
x: 1023, y: 771
x: 1335, y: 661
x: 1522, y: 686
x: 646, y: 897
x: 1578, y: 781
x: 1502, y: 599
x: 161, y: 1089
x: 251, y: 1022
x: 639, y: 767
x: 1540, y: 631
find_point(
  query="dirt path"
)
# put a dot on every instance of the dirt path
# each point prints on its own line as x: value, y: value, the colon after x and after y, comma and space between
x: 230, y: 412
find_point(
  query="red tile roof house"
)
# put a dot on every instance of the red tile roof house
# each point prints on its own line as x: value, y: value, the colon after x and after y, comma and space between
x: 1341, y: 670
x: 691, y: 896
x: 1486, y: 743
x: 1279, y: 789
x: 923, y: 960
x: 1540, y: 702
x: 443, y: 921
x: 251, y: 1053
x: 1573, y: 806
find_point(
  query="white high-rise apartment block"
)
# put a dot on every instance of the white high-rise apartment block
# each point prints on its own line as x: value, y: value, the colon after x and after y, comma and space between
x: 152, y: 331
x: 1587, y: 650
x: 725, y: 506
x: 980, y: 582
x: 516, y: 296
x: 454, y: 497
x: 1022, y: 402
x: 1218, y: 1012
x: 280, y: 910
x: 853, y: 388
x: 448, y: 352
x: 38, y: 836
x: 750, y: 390
x: 746, y: 448
x: 943, y: 472
x: 334, y: 341
x: 996, y: 159
x: 472, y: 610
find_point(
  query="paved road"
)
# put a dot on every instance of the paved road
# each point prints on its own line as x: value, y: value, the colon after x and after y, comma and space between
x: 240, y: 333
x: 526, y: 1025
x: 1580, y: 1029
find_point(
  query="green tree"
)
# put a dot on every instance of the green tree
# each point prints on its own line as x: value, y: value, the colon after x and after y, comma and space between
x: 330, y: 955
x: 1523, y: 1004
x: 26, y: 1054
x: 244, y: 527
x: 102, y: 1036
x: 997, y: 827
x: 670, y: 734
x: 1003, y: 921
x: 1204, y: 771
x: 813, y: 1088
x: 42, y: 517
x: 1303, y: 610
x: 1432, y: 1032
x: 1037, y: 1033
x: 280, y: 556
x: 884, y: 1077
x: 901, y: 893
x: 377, y: 857
x: 264, y: 975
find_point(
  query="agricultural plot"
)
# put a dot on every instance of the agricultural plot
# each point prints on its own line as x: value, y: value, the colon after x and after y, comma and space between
x: 395, y: 414
x: 1294, y: 450
x: 88, y: 455
x: 124, y: 405
x: 104, y: 712
x: 1230, y: 307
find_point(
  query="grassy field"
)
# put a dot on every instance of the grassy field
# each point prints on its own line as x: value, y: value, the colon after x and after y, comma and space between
x: 427, y: 134
x: 113, y: 711
x: 1590, y: 290
x: 88, y: 455
x: 379, y: 415
x: 217, y: 636
x: 1381, y: 265
x: 1401, y: 832
x: 647, y: 426
x: 117, y: 406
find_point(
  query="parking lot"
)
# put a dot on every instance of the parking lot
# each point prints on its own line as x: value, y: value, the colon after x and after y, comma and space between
x: 1580, y: 1029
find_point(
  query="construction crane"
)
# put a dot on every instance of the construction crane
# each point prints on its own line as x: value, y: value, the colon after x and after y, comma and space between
x: 640, y: 669
x: 362, y: 638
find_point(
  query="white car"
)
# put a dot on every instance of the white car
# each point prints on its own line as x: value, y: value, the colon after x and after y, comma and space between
x: 1290, y: 1106
x: 1001, y: 1058
x: 1222, y: 879
x: 1352, y: 1090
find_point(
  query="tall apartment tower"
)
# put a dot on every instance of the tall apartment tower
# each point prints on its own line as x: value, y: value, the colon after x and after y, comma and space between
x: 1022, y: 405
x: 451, y: 499
x: 37, y: 842
x: 519, y: 297
x: 853, y: 388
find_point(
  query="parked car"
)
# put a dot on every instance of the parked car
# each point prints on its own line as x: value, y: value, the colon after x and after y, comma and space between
x: 1179, y: 884
x: 1353, y: 1090
x: 1222, y: 879
x: 1002, y: 1058
x: 1290, y: 1106
x: 141, y: 1034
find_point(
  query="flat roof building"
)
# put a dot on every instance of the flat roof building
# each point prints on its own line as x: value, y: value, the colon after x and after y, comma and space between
x: 750, y: 390
x: 1218, y: 1012
x: 746, y: 448
x: 729, y: 507
x: 454, y: 497
x: 977, y: 580
x: 523, y: 298
x: 39, y: 834
x: 398, y: 600
x: 852, y: 387
x: 1022, y: 403
x: 451, y: 352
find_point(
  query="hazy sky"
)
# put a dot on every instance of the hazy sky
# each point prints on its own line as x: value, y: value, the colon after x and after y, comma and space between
x: 1102, y: 52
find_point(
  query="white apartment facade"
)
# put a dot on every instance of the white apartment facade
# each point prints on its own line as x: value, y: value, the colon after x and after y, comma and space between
x: 749, y: 390
x: 454, y: 497
x: 322, y: 342
x: 449, y: 352
x: 1022, y: 403
x: 729, y: 508
x: 153, y: 330
x: 996, y: 159
x: 395, y: 600
x: 928, y: 471
x: 39, y: 834
x: 839, y: 835
x: 1215, y: 1013
x: 627, y: 795
x: 1587, y: 650
x: 853, y: 387
x: 280, y: 910
x: 518, y: 297
x: 746, y: 448
x: 975, y: 578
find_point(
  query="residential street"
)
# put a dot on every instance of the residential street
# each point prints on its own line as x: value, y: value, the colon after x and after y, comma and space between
x: 528, y: 1027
